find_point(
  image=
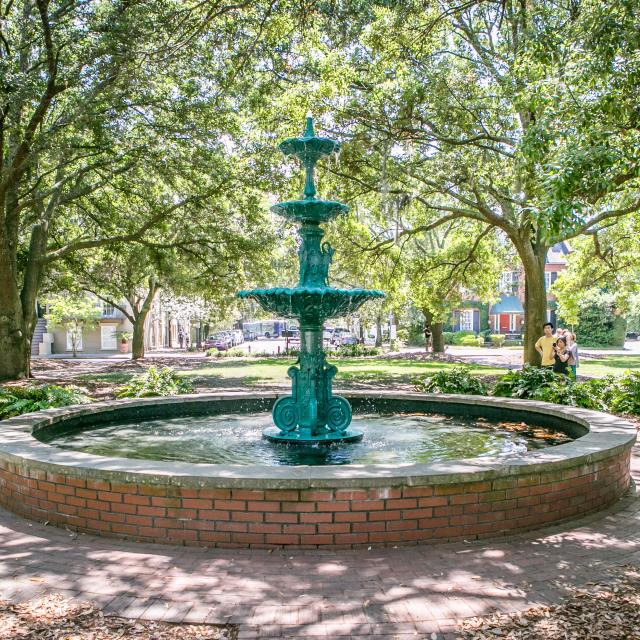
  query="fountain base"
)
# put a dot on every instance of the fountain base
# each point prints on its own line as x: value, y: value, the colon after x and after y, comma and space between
x: 274, y: 434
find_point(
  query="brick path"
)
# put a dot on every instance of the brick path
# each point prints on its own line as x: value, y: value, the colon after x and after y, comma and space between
x: 402, y: 593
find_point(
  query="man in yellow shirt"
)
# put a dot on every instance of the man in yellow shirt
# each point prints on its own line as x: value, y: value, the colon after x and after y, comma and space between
x: 545, y: 345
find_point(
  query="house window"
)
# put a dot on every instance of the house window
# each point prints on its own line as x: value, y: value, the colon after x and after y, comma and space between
x: 509, y: 282
x: 108, y: 310
x: 549, y: 278
x: 77, y: 335
x: 466, y: 320
x: 108, y: 340
x: 512, y: 323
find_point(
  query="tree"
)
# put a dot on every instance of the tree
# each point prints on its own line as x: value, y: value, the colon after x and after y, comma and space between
x: 98, y: 94
x: 74, y: 312
x: 521, y: 116
x: 450, y: 265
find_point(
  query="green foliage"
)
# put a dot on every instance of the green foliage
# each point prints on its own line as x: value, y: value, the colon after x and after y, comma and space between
x: 459, y: 336
x: 448, y: 337
x: 523, y: 383
x: 622, y: 395
x: 356, y: 350
x: 212, y: 352
x: 155, y: 382
x: 459, y: 379
x: 73, y: 312
x: 599, y: 324
x: 497, y: 339
x: 15, y: 401
x: 471, y: 341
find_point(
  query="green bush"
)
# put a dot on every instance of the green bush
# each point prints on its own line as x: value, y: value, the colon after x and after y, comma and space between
x: 497, y: 339
x: 212, y: 352
x: 356, y: 350
x: 523, y: 383
x: 155, y: 382
x: 622, y: 394
x: 471, y: 341
x: 598, y: 324
x: 458, y: 336
x: 459, y: 379
x: 15, y: 401
x: 448, y: 337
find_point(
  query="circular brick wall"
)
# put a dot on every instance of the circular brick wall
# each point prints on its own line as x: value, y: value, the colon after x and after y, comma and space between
x: 344, y: 506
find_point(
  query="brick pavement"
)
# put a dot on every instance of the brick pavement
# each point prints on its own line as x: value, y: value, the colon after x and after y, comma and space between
x: 403, y: 593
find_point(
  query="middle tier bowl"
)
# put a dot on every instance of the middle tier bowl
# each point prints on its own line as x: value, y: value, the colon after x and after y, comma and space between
x: 310, y: 210
x: 312, y: 305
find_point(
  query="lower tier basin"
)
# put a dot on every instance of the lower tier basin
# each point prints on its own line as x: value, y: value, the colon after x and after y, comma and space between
x: 464, y: 481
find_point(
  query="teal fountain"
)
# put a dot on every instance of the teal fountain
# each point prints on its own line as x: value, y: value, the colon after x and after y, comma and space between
x: 311, y: 414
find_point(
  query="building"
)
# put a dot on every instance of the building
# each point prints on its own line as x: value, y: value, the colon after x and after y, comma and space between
x: 506, y: 316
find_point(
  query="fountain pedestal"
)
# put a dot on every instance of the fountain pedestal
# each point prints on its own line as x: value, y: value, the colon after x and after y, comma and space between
x: 311, y: 413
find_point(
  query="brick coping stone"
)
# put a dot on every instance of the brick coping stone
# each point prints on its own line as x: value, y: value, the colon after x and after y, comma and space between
x: 342, y: 506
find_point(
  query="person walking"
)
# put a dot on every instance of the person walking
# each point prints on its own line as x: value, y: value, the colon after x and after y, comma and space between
x: 561, y: 357
x: 572, y: 348
x: 180, y: 338
x: 545, y: 345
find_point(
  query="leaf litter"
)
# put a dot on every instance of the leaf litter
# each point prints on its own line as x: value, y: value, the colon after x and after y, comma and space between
x: 53, y: 617
x: 605, y: 610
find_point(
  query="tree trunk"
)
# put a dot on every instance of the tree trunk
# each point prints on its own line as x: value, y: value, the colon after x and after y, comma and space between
x: 437, y: 337
x: 15, y: 344
x: 137, y: 342
x: 535, y: 297
x: 378, y: 331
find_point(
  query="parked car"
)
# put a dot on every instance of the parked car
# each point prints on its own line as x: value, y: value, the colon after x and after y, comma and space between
x: 347, y: 338
x: 370, y: 341
x: 633, y: 335
x: 220, y: 341
x: 238, y: 335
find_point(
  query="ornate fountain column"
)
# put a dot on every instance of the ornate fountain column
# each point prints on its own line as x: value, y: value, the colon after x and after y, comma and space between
x: 311, y: 413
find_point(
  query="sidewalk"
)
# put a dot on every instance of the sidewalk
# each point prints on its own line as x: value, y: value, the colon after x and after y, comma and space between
x: 402, y: 593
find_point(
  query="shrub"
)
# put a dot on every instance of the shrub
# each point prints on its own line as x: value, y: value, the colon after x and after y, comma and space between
x: 15, y: 401
x: 523, y: 383
x: 458, y: 336
x: 622, y: 394
x: 497, y: 339
x: 448, y: 337
x: 356, y: 350
x: 155, y: 382
x: 459, y: 379
x: 235, y: 352
x: 212, y: 352
x: 471, y: 341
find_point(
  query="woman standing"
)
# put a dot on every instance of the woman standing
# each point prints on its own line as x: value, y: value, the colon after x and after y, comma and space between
x: 572, y: 348
x: 561, y: 357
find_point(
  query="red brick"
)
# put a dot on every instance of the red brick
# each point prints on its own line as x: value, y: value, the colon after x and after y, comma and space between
x: 448, y: 511
x: 436, y: 501
x: 417, y: 513
x: 249, y: 538
x: 401, y: 525
x: 197, y: 503
x: 65, y: 490
x: 232, y: 505
x: 124, y: 528
x: 182, y: 514
x: 358, y: 527
x: 246, y: 494
x: 281, y: 494
x: 232, y: 526
x: 153, y: 532
x: 165, y: 502
x: 263, y: 505
x: 334, y: 527
x: 123, y: 487
x: 298, y: 507
x: 301, y: 528
x: 187, y: 492
x: 461, y: 520
x: 351, y: 494
x: 263, y: 527
x: 375, y: 516
x: 214, y: 536
x: 99, y: 485
x: 100, y: 505
x: 417, y: 492
x: 134, y: 499
x: 151, y: 490
x: 385, y: 493
x: 157, y: 512
x: 316, y: 517
x: 351, y: 538
x: 113, y: 517
x: 492, y: 496
x: 318, y: 538
x: 123, y: 508
x: 448, y: 532
x: 466, y: 498
x: 367, y: 505
x: 287, y: 517
x: 316, y: 495
x: 247, y: 516
x: 359, y: 516
x: 214, y: 494
x: 334, y: 506
x: 282, y: 538
x: 402, y: 503
x: 433, y: 523
x: 77, y: 502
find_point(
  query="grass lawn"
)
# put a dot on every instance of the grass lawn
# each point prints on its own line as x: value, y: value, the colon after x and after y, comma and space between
x: 608, y: 365
x: 257, y: 371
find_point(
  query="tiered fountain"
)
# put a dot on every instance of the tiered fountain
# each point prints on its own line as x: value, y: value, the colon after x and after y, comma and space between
x: 311, y: 413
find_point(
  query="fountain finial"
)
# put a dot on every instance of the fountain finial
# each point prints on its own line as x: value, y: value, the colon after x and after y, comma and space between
x: 309, y: 132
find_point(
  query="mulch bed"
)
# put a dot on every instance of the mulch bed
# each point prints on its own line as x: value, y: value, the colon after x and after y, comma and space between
x: 53, y: 617
x: 606, y: 610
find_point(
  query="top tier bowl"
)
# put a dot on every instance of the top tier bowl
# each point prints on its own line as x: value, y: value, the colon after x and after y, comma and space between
x: 309, y: 148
